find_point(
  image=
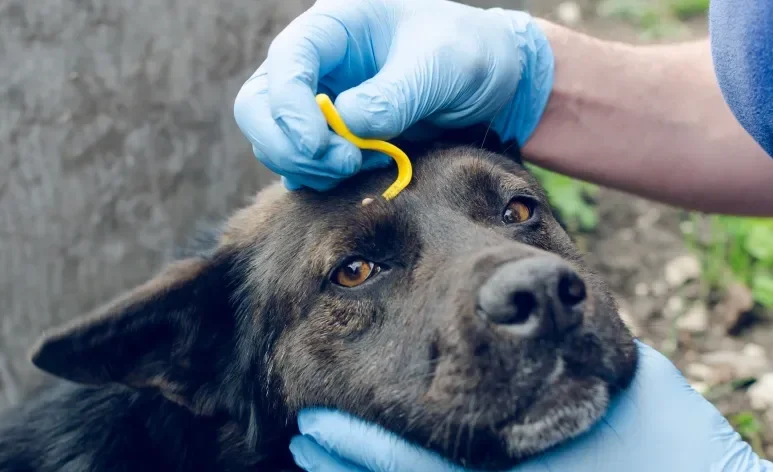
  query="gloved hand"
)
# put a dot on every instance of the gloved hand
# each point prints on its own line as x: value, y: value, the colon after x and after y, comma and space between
x: 659, y: 424
x: 389, y: 64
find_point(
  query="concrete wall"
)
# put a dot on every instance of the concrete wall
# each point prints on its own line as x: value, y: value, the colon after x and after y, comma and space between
x: 116, y: 136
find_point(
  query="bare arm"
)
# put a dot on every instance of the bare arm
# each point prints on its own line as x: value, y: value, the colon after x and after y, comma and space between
x: 649, y: 120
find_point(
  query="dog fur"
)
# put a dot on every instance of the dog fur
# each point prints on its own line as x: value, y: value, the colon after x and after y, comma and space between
x: 205, y: 366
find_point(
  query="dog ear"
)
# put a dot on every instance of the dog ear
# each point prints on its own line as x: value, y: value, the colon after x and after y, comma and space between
x: 174, y: 334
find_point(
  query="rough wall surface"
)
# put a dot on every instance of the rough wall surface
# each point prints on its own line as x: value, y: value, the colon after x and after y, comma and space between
x: 116, y: 135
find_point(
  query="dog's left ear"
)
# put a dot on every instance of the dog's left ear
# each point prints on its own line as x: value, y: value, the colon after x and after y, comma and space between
x: 174, y: 334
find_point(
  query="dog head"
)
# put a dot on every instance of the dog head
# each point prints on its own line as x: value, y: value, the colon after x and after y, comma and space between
x: 458, y: 315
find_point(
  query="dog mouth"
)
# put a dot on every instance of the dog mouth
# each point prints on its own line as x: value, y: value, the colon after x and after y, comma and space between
x: 553, y: 419
x: 507, y: 431
x: 525, y: 415
x: 566, y: 372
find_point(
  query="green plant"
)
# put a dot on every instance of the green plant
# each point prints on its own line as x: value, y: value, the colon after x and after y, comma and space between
x: 570, y: 198
x: 687, y: 9
x: 636, y: 12
x: 735, y: 248
x: 750, y: 428
x: 657, y: 19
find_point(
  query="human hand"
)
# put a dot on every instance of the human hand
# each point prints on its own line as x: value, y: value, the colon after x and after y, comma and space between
x: 659, y: 424
x: 390, y: 64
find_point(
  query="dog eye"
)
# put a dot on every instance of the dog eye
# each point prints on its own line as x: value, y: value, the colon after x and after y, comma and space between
x: 516, y: 211
x: 354, y: 272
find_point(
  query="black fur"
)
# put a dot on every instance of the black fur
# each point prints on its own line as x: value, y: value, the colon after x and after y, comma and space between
x: 206, y: 365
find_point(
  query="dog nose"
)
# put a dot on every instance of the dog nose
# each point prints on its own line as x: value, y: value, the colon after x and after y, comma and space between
x: 539, y: 296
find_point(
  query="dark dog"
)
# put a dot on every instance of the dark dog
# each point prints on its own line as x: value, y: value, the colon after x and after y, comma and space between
x: 458, y: 315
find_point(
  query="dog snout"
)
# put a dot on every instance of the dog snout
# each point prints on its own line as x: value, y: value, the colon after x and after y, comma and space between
x: 539, y: 296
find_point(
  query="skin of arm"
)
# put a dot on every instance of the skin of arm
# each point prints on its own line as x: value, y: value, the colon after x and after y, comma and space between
x: 650, y: 121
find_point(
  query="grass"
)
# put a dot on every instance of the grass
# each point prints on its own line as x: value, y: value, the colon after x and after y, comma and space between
x: 570, y: 198
x: 656, y: 19
x: 734, y: 249
x: 750, y: 428
x: 731, y: 249
x: 688, y: 9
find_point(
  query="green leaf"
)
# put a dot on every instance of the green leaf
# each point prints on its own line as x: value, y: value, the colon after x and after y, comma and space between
x: 746, y: 423
x: 759, y: 241
x: 687, y: 9
x: 568, y: 197
x: 762, y: 289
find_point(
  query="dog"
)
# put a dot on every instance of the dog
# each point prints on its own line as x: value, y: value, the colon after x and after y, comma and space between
x: 458, y: 315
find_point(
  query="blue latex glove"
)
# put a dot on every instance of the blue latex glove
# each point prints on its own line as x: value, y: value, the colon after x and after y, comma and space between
x: 390, y: 64
x: 659, y: 424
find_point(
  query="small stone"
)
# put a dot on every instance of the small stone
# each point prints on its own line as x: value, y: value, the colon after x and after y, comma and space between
x: 699, y: 372
x: 736, y: 308
x: 695, y: 320
x: 681, y: 270
x: 700, y: 387
x: 641, y: 289
x: 569, y: 13
x: 751, y: 362
x: 674, y: 307
x: 687, y: 227
x: 648, y: 219
x: 690, y: 356
x: 367, y: 201
x: 761, y: 393
x: 754, y: 350
x: 626, y: 234
x: 659, y: 288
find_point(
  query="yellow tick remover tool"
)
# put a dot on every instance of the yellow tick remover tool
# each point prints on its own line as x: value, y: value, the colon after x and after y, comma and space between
x: 336, y: 123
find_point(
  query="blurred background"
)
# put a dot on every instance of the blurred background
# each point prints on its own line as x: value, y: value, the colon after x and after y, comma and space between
x: 117, y: 139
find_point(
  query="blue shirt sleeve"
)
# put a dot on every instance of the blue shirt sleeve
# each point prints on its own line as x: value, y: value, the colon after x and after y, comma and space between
x: 741, y: 34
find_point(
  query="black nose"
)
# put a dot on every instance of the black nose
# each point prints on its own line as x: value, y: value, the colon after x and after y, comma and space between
x: 538, y: 297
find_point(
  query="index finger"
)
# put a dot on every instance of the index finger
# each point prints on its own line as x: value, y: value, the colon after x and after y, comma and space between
x: 311, y: 46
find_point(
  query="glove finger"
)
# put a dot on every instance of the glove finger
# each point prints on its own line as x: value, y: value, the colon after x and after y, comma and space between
x: 274, y: 149
x: 371, y: 160
x: 399, y: 95
x: 295, y: 182
x: 368, y: 445
x: 310, y: 46
x: 321, y: 183
x: 341, y: 159
x: 311, y: 457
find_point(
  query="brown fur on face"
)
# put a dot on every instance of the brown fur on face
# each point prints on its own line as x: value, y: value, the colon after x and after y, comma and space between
x: 257, y: 329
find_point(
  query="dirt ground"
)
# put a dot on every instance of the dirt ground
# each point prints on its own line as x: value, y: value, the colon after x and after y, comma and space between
x: 639, y: 248
x: 117, y: 135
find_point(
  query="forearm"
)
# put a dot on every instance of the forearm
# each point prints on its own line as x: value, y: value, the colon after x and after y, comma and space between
x: 649, y: 120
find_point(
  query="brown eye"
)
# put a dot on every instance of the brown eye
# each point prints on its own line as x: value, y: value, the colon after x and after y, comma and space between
x: 354, y: 272
x: 516, y: 212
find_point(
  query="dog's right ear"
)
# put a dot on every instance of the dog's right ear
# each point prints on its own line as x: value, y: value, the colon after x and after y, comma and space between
x: 174, y: 334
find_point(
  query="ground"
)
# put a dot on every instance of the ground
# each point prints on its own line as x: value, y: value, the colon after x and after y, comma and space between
x: 118, y: 135
x: 662, y: 284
